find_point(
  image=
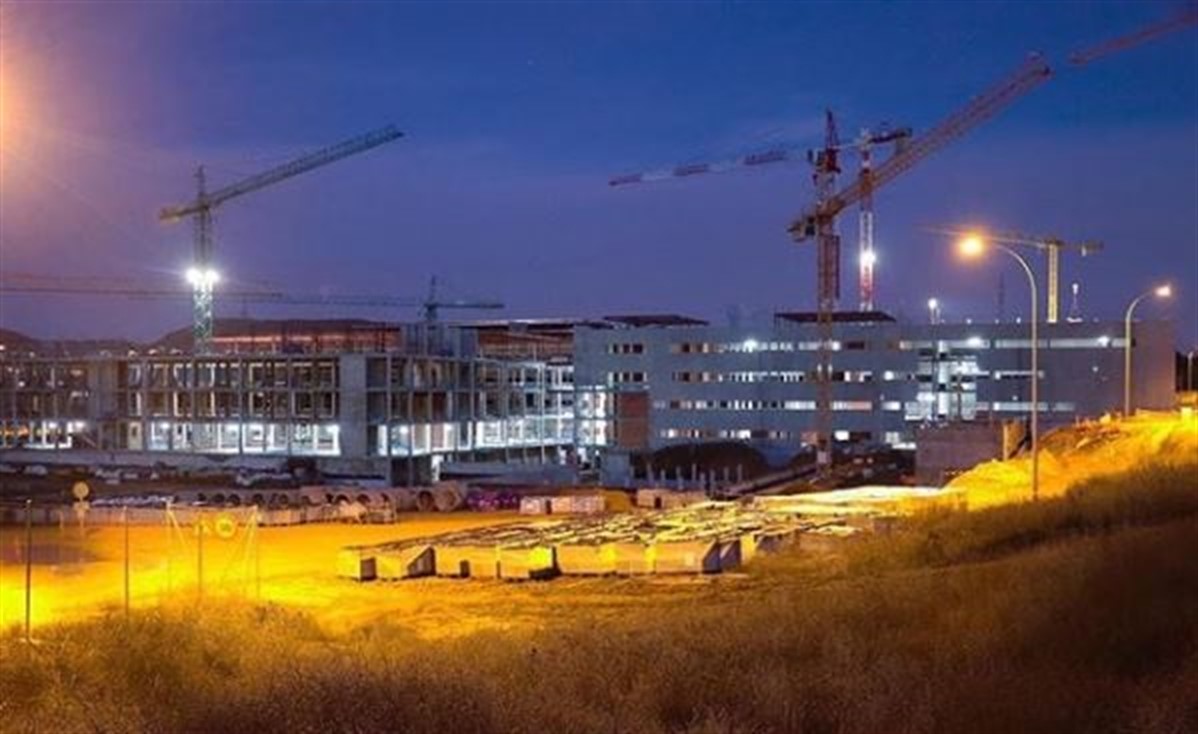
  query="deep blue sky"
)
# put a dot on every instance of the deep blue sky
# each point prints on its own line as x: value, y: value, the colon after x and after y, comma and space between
x: 517, y: 114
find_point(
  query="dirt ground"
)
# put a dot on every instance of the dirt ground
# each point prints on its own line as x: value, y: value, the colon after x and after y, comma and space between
x: 79, y: 572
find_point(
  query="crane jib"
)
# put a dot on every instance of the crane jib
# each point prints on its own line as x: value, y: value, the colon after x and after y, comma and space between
x: 1033, y: 72
x: 292, y: 168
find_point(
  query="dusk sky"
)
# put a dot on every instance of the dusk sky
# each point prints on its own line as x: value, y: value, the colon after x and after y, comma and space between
x: 516, y: 115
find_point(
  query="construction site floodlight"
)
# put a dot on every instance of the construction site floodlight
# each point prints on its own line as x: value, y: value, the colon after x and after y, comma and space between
x: 197, y: 277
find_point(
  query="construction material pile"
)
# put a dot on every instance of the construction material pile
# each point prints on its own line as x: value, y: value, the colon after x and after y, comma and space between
x: 708, y: 537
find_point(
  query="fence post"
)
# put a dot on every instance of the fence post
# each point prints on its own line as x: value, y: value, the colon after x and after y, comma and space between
x: 125, y: 520
x: 28, y: 569
x: 199, y: 526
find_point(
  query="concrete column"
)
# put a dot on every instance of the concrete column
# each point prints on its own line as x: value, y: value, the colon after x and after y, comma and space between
x: 351, y: 389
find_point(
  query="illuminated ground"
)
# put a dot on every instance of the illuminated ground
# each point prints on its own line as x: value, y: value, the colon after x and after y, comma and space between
x: 297, y: 568
x: 80, y: 572
x: 1088, y: 450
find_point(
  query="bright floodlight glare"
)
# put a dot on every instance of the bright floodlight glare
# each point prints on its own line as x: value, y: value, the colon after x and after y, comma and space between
x: 869, y: 257
x: 750, y: 345
x: 933, y: 304
x: 197, y: 277
x: 971, y: 245
x: 1164, y: 291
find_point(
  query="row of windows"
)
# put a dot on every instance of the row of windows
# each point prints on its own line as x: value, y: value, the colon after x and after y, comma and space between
x: 859, y: 376
x: 626, y: 378
x: 838, y: 405
x: 748, y: 434
x: 1013, y: 406
x: 626, y: 348
x: 751, y: 345
x: 977, y: 342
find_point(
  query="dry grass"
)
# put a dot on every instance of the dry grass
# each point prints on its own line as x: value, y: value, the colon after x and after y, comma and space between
x: 1079, y: 614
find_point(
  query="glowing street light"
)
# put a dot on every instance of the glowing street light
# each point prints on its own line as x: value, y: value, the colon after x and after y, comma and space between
x: 934, y: 310
x: 971, y: 247
x: 1161, y: 291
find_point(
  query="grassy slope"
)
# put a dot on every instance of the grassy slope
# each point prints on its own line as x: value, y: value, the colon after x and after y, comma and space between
x: 1076, y: 614
x: 1082, y: 452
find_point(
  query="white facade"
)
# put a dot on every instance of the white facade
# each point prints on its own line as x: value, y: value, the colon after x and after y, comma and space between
x: 708, y: 383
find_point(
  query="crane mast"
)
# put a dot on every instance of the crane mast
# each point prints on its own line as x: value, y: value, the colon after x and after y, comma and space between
x: 818, y: 223
x: 201, y: 275
x: 867, y: 257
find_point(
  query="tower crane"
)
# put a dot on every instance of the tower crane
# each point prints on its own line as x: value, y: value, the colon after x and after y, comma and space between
x: 819, y: 222
x: 432, y: 304
x: 201, y: 275
x: 1051, y: 247
x: 825, y: 162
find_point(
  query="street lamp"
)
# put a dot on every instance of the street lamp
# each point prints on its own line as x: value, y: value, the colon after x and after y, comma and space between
x: 1161, y: 291
x: 933, y: 311
x: 974, y: 246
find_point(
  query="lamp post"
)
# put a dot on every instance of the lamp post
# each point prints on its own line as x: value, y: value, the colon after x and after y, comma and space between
x: 1161, y: 291
x: 933, y: 311
x: 973, y: 246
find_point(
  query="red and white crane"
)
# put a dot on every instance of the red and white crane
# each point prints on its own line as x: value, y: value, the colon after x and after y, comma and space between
x: 825, y: 162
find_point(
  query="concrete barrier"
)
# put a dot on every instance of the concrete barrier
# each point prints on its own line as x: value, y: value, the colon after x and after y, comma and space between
x: 589, y: 504
x: 633, y: 558
x: 527, y: 562
x: 406, y: 563
x: 748, y: 547
x: 586, y: 559
x: 467, y: 561
x: 731, y: 557
x: 356, y: 564
x: 693, y: 556
x: 774, y: 541
x: 534, y: 505
x: 561, y: 505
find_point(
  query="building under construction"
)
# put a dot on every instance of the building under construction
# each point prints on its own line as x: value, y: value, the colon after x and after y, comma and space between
x: 407, y: 403
x: 353, y: 397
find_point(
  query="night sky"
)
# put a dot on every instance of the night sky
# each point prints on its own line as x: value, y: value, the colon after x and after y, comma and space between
x: 516, y: 115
